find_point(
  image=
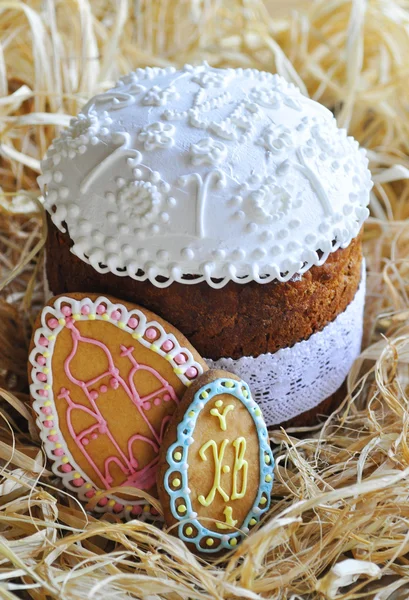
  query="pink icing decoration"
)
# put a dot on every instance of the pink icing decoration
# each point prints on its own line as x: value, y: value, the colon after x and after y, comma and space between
x: 103, y: 502
x: 48, y: 423
x: 78, y: 482
x: 101, y: 309
x: 180, y: 359
x: 151, y: 333
x: 52, y: 323
x: 47, y: 410
x: 53, y: 438
x: 59, y: 452
x: 85, y: 310
x: 90, y: 494
x: 136, y: 510
x: 118, y: 507
x: 42, y: 377
x: 154, y: 511
x: 166, y: 397
x: 41, y: 361
x: 191, y: 372
x: 144, y: 477
x: 43, y: 341
x: 66, y: 468
x: 114, y: 383
x: 167, y: 345
x: 115, y: 315
x: 133, y: 323
x: 43, y: 393
x: 157, y: 401
x: 103, y: 389
x: 66, y: 311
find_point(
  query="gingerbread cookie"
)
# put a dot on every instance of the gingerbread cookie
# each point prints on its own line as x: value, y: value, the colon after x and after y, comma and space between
x: 106, y: 377
x: 215, y: 467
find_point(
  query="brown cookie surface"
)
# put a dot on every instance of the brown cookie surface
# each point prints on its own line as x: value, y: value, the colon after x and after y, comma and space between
x: 215, y: 467
x: 106, y: 377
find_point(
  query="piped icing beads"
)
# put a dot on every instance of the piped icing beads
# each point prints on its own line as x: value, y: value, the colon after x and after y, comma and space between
x: 141, y: 379
x: 216, y: 470
x: 142, y: 172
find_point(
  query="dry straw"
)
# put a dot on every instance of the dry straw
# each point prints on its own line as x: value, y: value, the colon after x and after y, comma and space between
x: 339, y: 522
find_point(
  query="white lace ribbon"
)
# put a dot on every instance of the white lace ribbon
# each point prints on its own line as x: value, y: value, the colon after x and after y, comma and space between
x: 293, y: 380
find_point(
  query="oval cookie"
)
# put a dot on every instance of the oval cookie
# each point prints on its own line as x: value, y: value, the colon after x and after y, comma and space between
x: 216, y: 466
x: 106, y: 377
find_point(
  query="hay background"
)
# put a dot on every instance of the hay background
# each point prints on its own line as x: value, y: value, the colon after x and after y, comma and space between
x: 339, y: 522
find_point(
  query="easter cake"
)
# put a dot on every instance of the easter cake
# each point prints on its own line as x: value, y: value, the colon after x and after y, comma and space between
x: 231, y: 205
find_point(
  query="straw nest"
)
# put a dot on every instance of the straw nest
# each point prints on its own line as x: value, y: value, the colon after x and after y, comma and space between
x: 338, y: 526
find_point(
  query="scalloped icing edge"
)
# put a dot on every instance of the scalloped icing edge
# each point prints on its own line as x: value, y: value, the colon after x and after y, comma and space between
x: 184, y: 430
x: 38, y: 400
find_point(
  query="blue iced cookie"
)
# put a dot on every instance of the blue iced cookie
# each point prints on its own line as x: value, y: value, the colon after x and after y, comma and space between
x: 215, y: 468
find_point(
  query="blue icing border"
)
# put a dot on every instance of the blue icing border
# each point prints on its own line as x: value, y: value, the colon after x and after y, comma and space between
x: 184, y: 439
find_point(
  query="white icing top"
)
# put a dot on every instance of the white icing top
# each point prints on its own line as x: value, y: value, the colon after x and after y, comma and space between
x: 222, y: 174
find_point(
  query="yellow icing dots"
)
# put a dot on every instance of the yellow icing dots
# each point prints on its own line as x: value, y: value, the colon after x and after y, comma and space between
x: 218, y: 403
x: 177, y: 456
x: 58, y: 446
x: 226, y: 469
x: 47, y: 386
x: 253, y: 521
x: 233, y: 542
x: 182, y: 509
x: 136, y: 336
x: 209, y: 542
x: 105, y: 316
x: 47, y: 403
x: 189, y: 530
x: 98, y: 492
x: 263, y: 500
x: 91, y: 317
x: 46, y: 354
x: 61, y: 321
x: 204, y: 395
x: 245, y: 392
x: 178, y: 370
x: 128, y: 508
x: 51, y: 338
x: 88, y: 486
x: 53, y: 432
x: 46, y: 370
x: 229, y: 384
x: 65, y: 460
x: 257, y: 412
x: 154, y: 348
x: 111, y: 503
x: 121, y: 325
x: 76, y: 316
x: 176, y: 482
x: 146, y: 508
x: 191, y: 413
x: 77, y: 475
x: 268, y: 478
x: 267, y: 459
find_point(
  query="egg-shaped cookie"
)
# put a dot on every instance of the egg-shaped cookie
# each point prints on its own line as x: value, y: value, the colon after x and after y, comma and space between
x: 216, y: 466
x: 106, y: 377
